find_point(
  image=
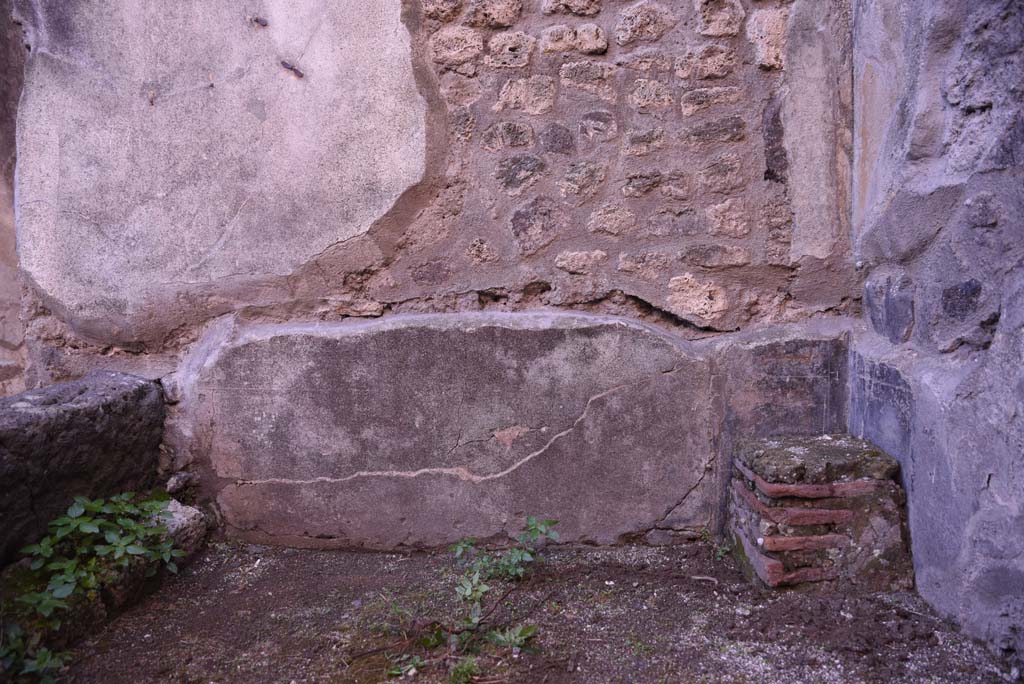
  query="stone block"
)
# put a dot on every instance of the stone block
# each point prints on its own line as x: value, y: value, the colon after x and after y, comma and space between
x: 785, y: 387
x: 580, y: 7
x: 418, y: 430
x: 93, y: 437
x: 644, y: 21
x: 889, y: 301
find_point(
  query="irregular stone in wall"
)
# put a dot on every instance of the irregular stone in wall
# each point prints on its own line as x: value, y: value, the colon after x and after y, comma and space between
x: 94, y: 437
x: 774, y: 134
x: 646, y: 60
x: 506, y: 134
x: 519, y: 172
x: 728, y: 218
x: 509, y: 50
x: 594, y: 78
x: 580, y: 263
x: 700, y: 99
x: 582, y: 180
x: 536, y: 224
x: 723, y: 174
x: 481, y: 252
x: 642, y: 143
x: 645, y: 21
x: 559, y: 415
x: 709, y: 62
x: 673, y: 222
x: 461, y: 90
x: 720, y: 17
x: 442, y: 10
x: 493, y: 13
x: 646, y: 265
x: 961, y: 300
x: 694, y: 299
x: 639, y: 183
x: 612, y: 219
x: 557, y: 139
x: 677, y: 185
x: 533, y: 95
x: 959, y: 309
x: 202, y: 166
x: 715, y: 256
x: 889, y: 303
x: 727, y: 129
x: 766, y: 29
x: 983, y: 210
x: 649, y: 95
x: 581, y: 7
x: 599, y: 126
x: 454, y: 46
x: 588, y: 39
x: 461, y: 123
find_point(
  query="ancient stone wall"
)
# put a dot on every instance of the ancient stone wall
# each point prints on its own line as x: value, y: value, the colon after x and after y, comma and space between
x: 937, y: 380
x: 260, y: 214
x: 685, y: 163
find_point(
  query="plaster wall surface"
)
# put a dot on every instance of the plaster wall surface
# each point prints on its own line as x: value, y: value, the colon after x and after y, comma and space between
x: 936, y: 378
x: 169, y: 155
x: 12, y: 62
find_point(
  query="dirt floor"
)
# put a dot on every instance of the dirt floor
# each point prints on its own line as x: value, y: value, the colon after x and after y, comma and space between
x: 635, y: 614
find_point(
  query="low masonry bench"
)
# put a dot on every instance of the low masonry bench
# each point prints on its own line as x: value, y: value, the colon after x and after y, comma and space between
x: 819, y: 509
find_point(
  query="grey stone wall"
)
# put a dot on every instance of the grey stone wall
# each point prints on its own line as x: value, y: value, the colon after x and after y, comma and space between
x: 937, y: 378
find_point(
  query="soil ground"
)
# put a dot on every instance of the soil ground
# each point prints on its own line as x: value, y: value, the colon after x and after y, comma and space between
x: 244, y: 613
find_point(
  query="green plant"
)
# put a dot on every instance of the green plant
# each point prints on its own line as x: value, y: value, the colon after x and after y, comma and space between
x: 473, y: 632
x: 88, y: 548
x: 23, y: 656
x: 511, y: 564
x: 516, y: 638
x: 720, y: 550
x: 405, y: 665
x: 464, y: 670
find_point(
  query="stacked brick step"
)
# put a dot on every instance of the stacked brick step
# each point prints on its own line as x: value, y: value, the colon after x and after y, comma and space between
x: 819, y: 509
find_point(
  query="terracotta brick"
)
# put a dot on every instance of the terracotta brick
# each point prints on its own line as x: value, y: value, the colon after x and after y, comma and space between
x: 792, y: 516
x: 810, y: 491
x: 824, y: 541
x: 774, y: 574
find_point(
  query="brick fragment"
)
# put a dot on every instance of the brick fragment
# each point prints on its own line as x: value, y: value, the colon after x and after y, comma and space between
x: 816, y: 543
x: 792, y: 516
x: 810, y: 491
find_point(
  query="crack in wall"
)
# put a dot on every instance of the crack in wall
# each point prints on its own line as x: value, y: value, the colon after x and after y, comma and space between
x: 708, y: 467
x: 460, y: 473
